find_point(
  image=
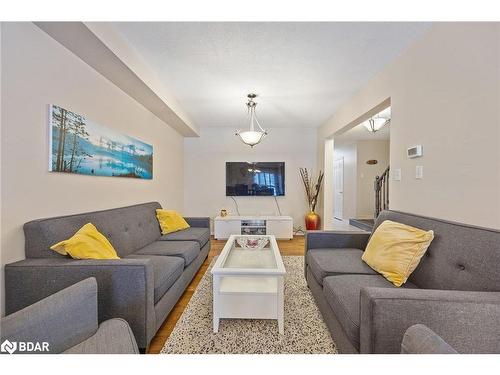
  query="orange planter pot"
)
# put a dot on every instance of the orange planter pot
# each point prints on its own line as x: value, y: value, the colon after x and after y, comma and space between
x: 312, y: 221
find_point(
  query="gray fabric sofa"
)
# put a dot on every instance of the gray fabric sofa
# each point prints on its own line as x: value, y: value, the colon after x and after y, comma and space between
x: 141, y: 288
x: 67, y: 322
x: 455, y: 290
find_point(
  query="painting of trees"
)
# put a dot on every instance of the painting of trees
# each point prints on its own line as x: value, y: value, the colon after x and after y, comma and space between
x: 83, y: 147
x: 70, y: 128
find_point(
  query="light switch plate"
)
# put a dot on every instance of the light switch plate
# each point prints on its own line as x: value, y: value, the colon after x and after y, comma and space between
x: 396, y: 174
x: 419, y: 172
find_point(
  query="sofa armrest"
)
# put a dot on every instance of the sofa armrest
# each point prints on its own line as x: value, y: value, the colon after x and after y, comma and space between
x: 113, y: 336
x: 62, y: 320
x: 126, y: 287
x: 336, y: 239
x: 420, y: 339
x: 198, y: 222
x: 468, y: 321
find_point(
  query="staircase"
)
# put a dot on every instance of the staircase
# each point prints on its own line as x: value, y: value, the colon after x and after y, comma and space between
x: 381, y: 188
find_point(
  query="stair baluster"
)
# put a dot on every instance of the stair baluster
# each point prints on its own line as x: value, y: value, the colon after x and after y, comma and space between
x: 381, y: 187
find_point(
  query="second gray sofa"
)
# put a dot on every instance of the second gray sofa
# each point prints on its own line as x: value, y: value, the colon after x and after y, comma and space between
x: 142, y: 287
x: 455, y: 290
x: 66, y: 322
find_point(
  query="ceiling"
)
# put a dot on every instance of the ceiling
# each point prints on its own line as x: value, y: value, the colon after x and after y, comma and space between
x: 301, y: 71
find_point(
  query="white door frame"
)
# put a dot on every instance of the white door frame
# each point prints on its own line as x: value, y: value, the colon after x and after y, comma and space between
x: 338, y: 188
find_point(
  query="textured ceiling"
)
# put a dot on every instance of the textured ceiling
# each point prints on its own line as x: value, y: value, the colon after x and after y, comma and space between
x: 301, y: 71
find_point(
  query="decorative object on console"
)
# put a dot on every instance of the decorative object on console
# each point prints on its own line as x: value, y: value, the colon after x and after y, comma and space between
x: 223, y: 212
x: 312, y: 219
x: 78, y: 145
x: 256, y: 243
x: 251, y: 136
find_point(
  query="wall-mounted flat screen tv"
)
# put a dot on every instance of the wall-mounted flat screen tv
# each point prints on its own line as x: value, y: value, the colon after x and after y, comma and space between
x: 255, y: 178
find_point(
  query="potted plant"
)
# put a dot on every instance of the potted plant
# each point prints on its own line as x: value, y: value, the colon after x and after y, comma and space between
x: 312, y: 191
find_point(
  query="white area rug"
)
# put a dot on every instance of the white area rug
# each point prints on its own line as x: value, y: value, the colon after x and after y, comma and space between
x: 305, y: 331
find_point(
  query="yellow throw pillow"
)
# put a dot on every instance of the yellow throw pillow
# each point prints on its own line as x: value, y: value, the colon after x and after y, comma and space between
x: 170, y: 221
x: 395, y: 250
x: 87, y: 243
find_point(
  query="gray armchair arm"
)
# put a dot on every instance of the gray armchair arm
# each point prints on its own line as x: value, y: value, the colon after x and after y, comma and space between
x: 420, y: 339
x: 62, y: 320
x: 198, y: 222
x: 126, y: 287
x: 468, y: 321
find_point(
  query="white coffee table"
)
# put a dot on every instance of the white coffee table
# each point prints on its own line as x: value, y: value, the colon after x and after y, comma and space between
x: 249, y: 283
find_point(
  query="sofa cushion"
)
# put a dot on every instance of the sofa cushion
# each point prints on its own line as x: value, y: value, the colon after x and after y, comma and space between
x: 342, y: 293
x: 114, y: 336
x: 166, y: 271
x: 188, y: 250
x: 331, y: 262
x: 200, y: 235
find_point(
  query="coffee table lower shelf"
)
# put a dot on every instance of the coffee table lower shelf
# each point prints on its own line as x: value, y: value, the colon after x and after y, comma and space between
x: 248, y: 297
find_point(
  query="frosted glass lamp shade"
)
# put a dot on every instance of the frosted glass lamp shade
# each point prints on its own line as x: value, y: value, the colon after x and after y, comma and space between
x: 250, y: 137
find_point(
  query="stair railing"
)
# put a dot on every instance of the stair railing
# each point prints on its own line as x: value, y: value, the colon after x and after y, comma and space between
x: 381, y: 186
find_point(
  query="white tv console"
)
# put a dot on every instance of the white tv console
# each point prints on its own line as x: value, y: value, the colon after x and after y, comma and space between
x: 280, y: 226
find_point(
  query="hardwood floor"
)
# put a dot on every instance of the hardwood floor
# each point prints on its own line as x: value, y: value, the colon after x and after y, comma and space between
x: 287, y: 247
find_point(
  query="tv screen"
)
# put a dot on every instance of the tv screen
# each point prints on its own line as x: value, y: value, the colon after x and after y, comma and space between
x: 255, y: 179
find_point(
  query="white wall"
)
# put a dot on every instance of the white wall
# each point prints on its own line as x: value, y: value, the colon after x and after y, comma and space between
x: 367, y: 150
x: 37, y: 71
x: 205, y: 181
x: 444, y: 94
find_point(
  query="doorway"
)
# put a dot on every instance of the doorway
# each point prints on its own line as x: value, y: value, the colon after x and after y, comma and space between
x: 338, y: 188
x: 361, y: 155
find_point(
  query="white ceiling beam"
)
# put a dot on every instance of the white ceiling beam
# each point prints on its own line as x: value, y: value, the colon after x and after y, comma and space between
x: 98, y: 45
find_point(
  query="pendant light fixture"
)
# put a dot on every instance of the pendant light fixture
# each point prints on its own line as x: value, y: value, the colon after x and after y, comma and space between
x: 255, y: 134
x: 373, y: 125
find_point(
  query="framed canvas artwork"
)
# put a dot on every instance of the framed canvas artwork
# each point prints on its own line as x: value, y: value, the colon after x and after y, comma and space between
x: 78, y: 145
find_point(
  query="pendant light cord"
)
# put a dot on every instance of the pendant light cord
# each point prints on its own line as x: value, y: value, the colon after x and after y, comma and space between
x: 238, y: 210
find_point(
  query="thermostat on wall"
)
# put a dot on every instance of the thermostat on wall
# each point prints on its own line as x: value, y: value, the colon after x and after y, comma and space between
x: 415, y: 151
